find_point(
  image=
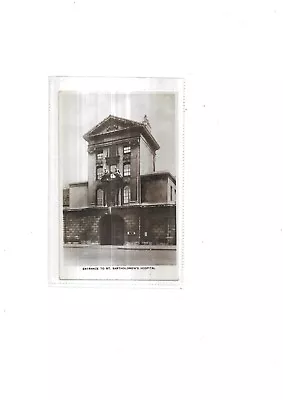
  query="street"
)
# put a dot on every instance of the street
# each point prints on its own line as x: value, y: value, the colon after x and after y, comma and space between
x: 112, y: 255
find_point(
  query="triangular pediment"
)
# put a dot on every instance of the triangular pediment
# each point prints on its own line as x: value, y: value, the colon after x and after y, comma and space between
x: 110, y: 124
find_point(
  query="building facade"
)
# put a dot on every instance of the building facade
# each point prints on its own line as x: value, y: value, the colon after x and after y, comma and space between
x: 125, y: 200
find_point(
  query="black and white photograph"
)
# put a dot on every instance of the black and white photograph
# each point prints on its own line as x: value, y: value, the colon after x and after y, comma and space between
x: 142, y: 206
x: 119, y: 184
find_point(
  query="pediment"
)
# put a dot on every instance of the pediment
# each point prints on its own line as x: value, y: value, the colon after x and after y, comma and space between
x: 110, y: 124
x: 115, y: 124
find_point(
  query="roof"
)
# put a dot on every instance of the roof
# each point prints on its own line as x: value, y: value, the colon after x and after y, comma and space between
x: 126, y: 124
x: 158, y: 174
x: 78, y: 184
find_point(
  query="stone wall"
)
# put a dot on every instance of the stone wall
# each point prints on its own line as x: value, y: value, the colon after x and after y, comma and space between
x: 154, y: 190
x: 132, y: 226
x: 66, y: 197
x: 159, y: 226
x: 156, y: 225
x: 146, y: 157
x: 81, y: 226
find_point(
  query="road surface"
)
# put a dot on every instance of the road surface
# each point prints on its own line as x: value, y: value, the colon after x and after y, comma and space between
x: 111, y: 255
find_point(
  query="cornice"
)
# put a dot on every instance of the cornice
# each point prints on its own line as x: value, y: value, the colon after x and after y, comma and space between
x: 143, y: 127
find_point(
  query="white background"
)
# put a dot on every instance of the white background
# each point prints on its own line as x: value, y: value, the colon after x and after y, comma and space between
x: 219, y: 337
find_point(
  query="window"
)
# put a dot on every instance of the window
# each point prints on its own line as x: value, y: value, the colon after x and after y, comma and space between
x: 127, y: 169
x: 127, y: 149
x: 99, y: 172
x: 127, y: 194
x: 100, y: 155
x: 99, y: 197
x: 171, y: 193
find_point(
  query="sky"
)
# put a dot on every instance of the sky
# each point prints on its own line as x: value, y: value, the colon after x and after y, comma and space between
x: 79, y: 112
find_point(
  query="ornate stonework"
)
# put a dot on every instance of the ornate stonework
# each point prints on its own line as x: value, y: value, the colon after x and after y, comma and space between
x: 91, y: 149
x: 112, y: 125
x: 112, y: 128
x: 146, y: 122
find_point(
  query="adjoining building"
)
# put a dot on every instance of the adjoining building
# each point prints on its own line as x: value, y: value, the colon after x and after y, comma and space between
x: 125, y: 200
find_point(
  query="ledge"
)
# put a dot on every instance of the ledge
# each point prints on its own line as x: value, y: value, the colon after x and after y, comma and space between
x: 134, y: 205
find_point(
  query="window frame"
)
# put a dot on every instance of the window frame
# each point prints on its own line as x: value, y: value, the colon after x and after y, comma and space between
x: 99, y: 155
x: 128, y: 151
x: 97, y: 174
x: 129, y: 169
x: 102, y: 198
x: 127, y: 187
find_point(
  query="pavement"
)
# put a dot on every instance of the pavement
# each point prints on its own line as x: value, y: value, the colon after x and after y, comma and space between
x: 126, y: 247
x: 147, y: 247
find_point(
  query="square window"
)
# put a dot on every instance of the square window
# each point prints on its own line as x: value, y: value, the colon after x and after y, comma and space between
x: 127, y: 149
x: 100, y: 155
x: 113, y: 168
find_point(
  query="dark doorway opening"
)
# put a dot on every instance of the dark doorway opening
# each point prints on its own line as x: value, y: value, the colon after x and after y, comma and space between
x: 112, y: 230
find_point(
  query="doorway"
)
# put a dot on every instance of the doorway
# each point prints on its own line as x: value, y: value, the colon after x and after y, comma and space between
x: 112, y: 230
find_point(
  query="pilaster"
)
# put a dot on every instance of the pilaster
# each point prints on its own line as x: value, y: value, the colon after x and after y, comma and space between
x: 135, y: 171
x: 91, y: 174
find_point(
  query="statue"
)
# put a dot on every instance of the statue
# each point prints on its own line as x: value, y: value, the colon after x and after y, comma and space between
x: 146, y: 121
x: 106, y: 176
x: 112, y: 182
x: 117, y: 174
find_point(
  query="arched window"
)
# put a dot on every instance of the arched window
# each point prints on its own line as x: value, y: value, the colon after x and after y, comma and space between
x: 99, y: 197
x: 127, y: 195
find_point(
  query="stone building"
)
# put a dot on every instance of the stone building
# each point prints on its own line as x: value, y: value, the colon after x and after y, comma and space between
x: 125, y: 200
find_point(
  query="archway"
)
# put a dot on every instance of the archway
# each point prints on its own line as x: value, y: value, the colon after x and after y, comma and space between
x: 112, y: 230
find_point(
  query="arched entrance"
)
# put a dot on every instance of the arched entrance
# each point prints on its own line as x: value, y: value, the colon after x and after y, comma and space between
x: 112, y: 230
